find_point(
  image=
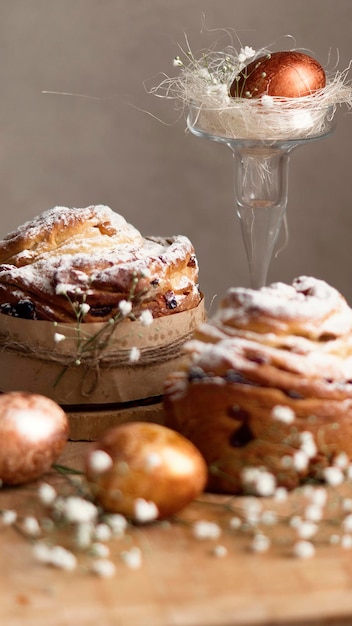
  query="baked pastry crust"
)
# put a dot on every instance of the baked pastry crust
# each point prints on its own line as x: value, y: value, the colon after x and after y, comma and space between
x: 67, y: 256
x: 268, y: 385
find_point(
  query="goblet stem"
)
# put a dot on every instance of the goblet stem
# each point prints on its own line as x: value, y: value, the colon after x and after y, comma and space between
x: 261, y: 188
x: 261, y: 166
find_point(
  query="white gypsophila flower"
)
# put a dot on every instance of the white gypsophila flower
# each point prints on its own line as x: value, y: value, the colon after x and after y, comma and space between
x: 252, y: 505
x: 267, y: 101
x: 62, y: 289
x: 300, y: 461
x: 235, y: 523
x: 305, y: 435
x: 84, y: 308
x: 146, y: 318
x: 47, y: 494
x: 252, y: 518
x: 307, y: 444
x: 303, y: 549
x: 100, y: 461
x: 145, y: 511
x: 333, y: 476
x: 30, y: 526
x: 63, y: 558
x: 283, y: 414
x: 42, y: 552
x: 135, y: 355
x: 252, y: 510
x: 8, y: 517
x: 177, y: 62
x: 55, y: 555
x: 341, y: 461
x: 259, y: 481
x: 349, y: 471
x: 265, y: 483
x: 249, y: 475
x: 307, y: 529
x: 219, y: 551
x: 313, y: 512
x: 84, y: 535
x: 347, y: 505
x: 281, y: 494
x: 117, y: 522
x: 260, y: 543
x: 76, y: 510
x: 346, y: 542
x: 307, y: 491
x: 246, y: 53
x: 347, y: 523
x: 309, y: 448
x: 99, y: 550
x: 58, y: 337
x: 103, y: 568
x: 206, y: 530
x: 125, y: 307
x: 132, y: 557
x: 316, y: 495
x: 295, y: 521
x: 102, y: 532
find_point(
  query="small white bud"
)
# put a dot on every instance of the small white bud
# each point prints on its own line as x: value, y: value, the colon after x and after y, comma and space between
x: 125, y: 307
x: 145, y: 511
x: 100, y: 461
x: 303, y: 549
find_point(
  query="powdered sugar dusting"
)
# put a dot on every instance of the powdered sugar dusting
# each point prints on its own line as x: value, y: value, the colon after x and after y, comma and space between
x: 310, y: 304
x: 95, y: 252
x: 304, y: 328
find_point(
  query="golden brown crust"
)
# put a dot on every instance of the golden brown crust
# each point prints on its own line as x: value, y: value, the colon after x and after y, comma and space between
x: 269, y: 367
x: 93, y: 256
x: 61, y: 226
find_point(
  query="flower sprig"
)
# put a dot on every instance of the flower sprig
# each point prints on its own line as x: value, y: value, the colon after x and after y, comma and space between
x: 292, y: 523
x: 214, y: 70
x: 69, y: 532
x: 90, y: 347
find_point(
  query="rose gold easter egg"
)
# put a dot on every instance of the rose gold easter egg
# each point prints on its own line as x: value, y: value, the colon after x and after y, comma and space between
x: 33, y: 432
x: 146, y: 463
x: 287, y: 74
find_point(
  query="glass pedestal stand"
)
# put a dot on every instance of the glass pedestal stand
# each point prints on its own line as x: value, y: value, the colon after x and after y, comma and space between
x: 260, y: 189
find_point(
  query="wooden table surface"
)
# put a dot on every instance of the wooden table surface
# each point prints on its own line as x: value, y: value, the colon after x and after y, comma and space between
x: 180, y: 582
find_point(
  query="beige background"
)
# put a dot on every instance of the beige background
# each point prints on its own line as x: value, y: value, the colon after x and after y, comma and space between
x: 108, y: 148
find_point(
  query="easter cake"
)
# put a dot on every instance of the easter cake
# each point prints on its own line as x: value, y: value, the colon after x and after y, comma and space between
x: 268, y: 386
x: 91, y: 311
